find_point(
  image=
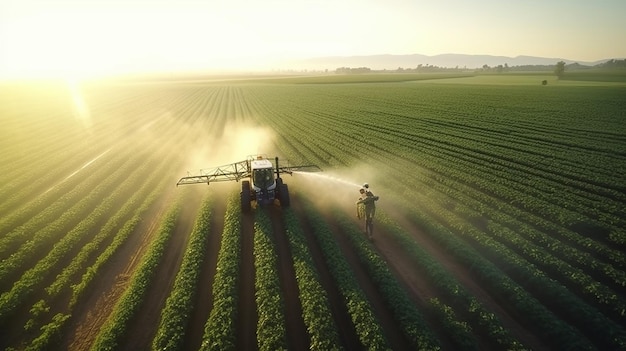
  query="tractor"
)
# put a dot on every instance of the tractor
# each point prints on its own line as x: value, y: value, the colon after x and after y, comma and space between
x: 259, y: 185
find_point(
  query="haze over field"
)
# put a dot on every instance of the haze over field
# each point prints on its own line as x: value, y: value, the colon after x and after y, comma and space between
x: 86, y: 38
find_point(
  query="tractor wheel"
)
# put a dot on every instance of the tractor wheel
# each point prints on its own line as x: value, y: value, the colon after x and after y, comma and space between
x: 246, y: 199
x: 284, y: 195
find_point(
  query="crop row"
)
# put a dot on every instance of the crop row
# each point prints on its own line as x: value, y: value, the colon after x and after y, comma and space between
x: 410, y: 319
x: 24, y: 185
x: 175, y: 315
x: 315, y: 305
x: 136, y: 205
x: 34, y: 277
x: 505, y: 159
x: 114, y: 329
x: 220, y: 328
x: 451, y: 290
x: 499, y: 208
x: 89, y: 209
x: 548, y: 156
x: 563, y: 302
x: 25, y: 153
x: 503, y: 207
x: 271, y: 328
x: 67, y: 206
x: 523, y: 175
x: 52, y: 331
x: 366, y: 324
x: 523, y: 230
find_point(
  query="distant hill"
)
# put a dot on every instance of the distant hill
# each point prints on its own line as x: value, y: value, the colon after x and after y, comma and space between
x: 392, y: 62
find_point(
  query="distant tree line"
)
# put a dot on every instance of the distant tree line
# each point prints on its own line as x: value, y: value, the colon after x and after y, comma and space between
x: 613, y: 64
x: 558, y: 69
x: 419, y: 69
x: 348, y: 70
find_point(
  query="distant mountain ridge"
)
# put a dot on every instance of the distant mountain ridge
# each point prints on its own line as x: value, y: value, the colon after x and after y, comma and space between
x: 392, y: 62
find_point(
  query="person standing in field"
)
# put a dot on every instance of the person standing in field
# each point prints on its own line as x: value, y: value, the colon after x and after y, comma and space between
x: 366, y: 207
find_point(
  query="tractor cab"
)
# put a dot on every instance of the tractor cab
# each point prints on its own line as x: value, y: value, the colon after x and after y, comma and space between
x: 263, y: 182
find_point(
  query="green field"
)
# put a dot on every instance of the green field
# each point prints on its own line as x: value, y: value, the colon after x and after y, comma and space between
x: 501, y: 224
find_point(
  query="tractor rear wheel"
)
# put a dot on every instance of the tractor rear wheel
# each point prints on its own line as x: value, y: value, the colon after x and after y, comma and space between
x: 283, y: 195
x: 246, y: 205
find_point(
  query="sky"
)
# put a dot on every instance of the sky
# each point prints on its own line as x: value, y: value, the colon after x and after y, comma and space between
x: 45, y: 38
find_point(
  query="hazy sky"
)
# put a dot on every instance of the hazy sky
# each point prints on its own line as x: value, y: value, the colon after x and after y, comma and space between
x: 48, y: 37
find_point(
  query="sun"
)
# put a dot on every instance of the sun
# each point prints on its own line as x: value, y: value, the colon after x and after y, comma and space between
x: 55, y: 44
x: 79, y: 39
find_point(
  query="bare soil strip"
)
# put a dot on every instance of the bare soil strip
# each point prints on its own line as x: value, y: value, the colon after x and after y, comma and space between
x: 297, y: 335
x: 141, y: 331
x: 414, y: 282
x: 90, y: 314
x: 247, y: 317
x: 394, y: 335
x: 204, y: 295
x: 462, y: 274
x: 346, y: 330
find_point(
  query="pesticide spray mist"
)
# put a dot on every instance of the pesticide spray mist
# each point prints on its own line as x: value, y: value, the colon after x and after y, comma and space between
x: 328, y: 178
x: 328, y: 189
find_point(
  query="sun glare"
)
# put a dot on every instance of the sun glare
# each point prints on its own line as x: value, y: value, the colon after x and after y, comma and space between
x: 81, y: 110
x: 76, y: 40
x: 60, y: 46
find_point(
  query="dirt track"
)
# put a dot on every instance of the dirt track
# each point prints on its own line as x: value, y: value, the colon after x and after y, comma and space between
x: 297, y: 337
x: 94, y: 309
x: 204, y: 297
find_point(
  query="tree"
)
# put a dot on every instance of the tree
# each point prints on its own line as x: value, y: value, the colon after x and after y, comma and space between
x: 559, y: 69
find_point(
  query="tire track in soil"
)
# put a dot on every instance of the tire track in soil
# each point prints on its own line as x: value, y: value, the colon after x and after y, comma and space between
x: 393, y: 333
x: 297, y: 336
x: 247, y: 314
x: 411, y: 279
x: 414, y: 282
x: 345, y: 327
x: 400, y: 262
x: 204, y: 295
x: 144, y: 325
x: 92, y: 311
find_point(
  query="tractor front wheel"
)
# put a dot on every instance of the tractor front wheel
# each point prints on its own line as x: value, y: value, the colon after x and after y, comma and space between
x: 283, y: 195
x: 246, y: 198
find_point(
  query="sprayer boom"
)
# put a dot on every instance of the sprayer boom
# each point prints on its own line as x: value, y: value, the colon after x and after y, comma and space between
x: 262, y: 185
x: 240, y: 170
x: 234, y: 171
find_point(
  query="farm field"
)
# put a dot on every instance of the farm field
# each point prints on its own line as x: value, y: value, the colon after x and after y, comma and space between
x: 501, y: 222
